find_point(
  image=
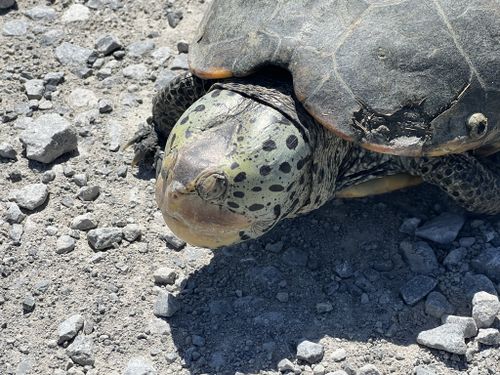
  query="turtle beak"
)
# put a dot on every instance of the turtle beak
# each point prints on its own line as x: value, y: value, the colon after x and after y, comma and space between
x: 185, y: 196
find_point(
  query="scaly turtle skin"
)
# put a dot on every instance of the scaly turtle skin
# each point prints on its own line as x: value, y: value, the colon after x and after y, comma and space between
x: 246, y: 155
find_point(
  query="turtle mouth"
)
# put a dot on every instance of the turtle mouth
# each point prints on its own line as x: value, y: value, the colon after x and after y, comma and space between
x: 196, y: 221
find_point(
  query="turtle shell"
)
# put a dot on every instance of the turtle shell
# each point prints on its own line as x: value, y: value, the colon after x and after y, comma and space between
x: 402, y: 77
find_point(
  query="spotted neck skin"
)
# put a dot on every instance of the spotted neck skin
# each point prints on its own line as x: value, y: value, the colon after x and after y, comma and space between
x: 337, y: 164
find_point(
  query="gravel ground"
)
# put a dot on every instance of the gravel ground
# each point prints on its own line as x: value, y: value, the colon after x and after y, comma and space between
x: 91, y: 280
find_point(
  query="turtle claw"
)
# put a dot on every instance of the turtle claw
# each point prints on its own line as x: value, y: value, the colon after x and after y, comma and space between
x: 145, y: 142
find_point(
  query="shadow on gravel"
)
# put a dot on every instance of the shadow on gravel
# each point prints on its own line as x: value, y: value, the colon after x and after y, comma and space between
x: 252, y: 306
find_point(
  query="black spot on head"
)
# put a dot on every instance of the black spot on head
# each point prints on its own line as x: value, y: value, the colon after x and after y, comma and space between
x: 285, y: 167
x: 277, y: 210
x: 256, y: 188
x: 215, y: 93
x: 290, y: 186
x: 234, y: 165
x: 265, y: 170
x: 240, y: 177
x: 276, y: 188
x: 233, y: 204
x: 269, y: 145
x: 243, y: 236
x: 184, y: 120
x: 301, y: 163
x: 315, y: 168
x: 302, y: 180
x: 292, y: 142
x: 200, y: 108
x: 256, y: 207
x: 240, y: 138
x: 316, y: 201
x: 239, y: 194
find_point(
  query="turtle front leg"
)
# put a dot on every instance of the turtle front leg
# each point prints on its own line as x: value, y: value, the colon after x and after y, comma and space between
x: 472, y: 183
x: 168, y: 106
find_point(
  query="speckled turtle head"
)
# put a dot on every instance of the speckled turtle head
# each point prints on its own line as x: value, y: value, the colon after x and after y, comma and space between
x: 233, y: 167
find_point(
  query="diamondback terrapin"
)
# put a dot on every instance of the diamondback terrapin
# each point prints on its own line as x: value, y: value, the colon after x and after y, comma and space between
x: 372, y: 95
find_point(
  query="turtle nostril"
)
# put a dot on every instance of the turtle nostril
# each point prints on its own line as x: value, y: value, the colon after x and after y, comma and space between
x: 212, y: 185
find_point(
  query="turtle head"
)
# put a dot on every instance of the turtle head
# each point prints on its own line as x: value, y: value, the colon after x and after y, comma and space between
x: 233, y: 167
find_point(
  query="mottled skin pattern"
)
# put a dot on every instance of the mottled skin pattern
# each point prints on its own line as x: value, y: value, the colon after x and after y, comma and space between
x: 241, y: 158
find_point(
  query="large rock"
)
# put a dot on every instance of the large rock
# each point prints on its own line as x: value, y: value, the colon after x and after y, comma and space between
x: 73, y: 55
x: 81, y: 351
x: 417, y: 288
x: 41, y: 13
x: 49, y: 137
x: 443, y: 229
x: 31, y: 196
x: 420, y: 257
x: 448, y: 337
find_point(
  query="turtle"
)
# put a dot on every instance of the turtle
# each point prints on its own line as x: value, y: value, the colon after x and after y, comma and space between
x: 288, y: 104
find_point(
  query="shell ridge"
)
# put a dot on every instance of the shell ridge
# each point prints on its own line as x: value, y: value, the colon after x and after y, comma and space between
x: 453, y: 35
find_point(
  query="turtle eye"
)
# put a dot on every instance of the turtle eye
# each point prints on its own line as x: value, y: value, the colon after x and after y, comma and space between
x: 211, y: 185
x: 477, y: 125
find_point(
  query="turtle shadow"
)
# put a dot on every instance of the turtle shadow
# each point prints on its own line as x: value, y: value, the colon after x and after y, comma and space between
x: 253, y: 306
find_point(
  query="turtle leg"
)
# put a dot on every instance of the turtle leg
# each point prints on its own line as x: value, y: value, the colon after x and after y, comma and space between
x: 168, y: 105
x: 472, y: 183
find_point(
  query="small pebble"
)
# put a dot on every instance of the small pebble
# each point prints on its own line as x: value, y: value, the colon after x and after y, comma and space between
x: 89, y: 193
x: 7, y: 151
x: 310, y: 352
x: 107, y: 44
x: 65, y: 244
x: 139, y: 366
x: 339, y: 355
x: 488, y: 336
x: 14, y: 214
x: 84, y: 222
x: 105, y: 106
x: 29, y: 304
x: 69, y: 328
x: 104, y: 238
x: 164, y: 276
x: 368, y: 370
x: 165, y: 305
x: 485, y: 308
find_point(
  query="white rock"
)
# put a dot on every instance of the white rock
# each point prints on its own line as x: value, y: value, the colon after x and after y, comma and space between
x: 76, y: 13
